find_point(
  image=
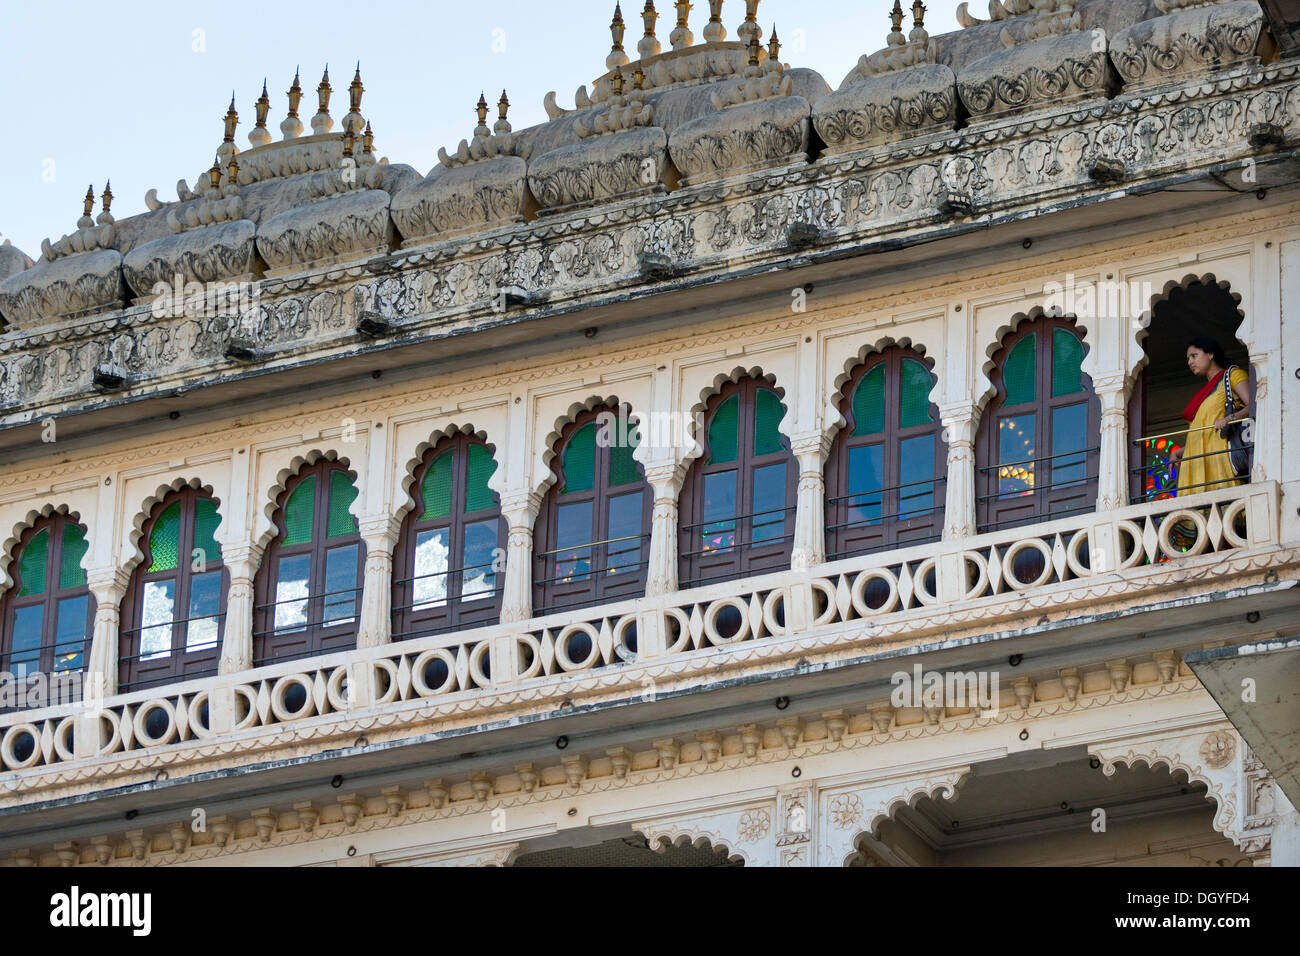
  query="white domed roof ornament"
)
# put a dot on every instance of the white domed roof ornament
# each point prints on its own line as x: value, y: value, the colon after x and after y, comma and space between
x: 228, y: 149
x: 105, y: 218
x: 87, y: 221
x: 682, y: 37
x: 918, y: 34
x: 322, y: 121
x: 896, y: 37
x: 750, y: 29
x: 259, y: 136
x: 292, y: 127
x: 649, y: 46
x: 616, y: 56
x: 353, y: 122
x: 714, y: 31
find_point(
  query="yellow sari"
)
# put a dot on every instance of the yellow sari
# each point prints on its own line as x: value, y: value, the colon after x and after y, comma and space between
x: 1206, y: 465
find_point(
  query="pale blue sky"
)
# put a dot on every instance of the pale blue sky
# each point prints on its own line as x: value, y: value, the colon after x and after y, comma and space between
x: 132, y: 93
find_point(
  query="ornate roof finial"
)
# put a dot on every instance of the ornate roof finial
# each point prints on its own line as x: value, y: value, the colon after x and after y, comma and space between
x: 482, y: 109
x: 714, y: 31
x: 753, y: 51
x: 292, y: 126
x: 259, y: 136
x: 231, y: 120
x: 773, y: 47
x: 214, y: 174
x: 502, y: 125
x: 348, y: 141
x: 232, y: 172
x: 918, y: 34
x: 105, y: 218
x: 896, y: 38
x: 368, y: 140
x: 682, y: 37
x: 322, y: 122
x: 648, y: 45
x: 295, y: 94
x: 750, y: 27
x: 353, y: 122
x: 89, y: 201
x: 638, y: 78
x: 616, y: 56
x: 616, y: 81
x: 355, y: 89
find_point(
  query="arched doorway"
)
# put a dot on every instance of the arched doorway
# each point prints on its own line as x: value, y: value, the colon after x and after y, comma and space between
x: 1164, y: 385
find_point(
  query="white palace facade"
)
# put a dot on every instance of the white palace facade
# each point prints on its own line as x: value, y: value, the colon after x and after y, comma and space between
x: 736, y: 468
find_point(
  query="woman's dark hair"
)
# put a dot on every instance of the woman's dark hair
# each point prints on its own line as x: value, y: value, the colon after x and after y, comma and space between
x: 1211, y: 348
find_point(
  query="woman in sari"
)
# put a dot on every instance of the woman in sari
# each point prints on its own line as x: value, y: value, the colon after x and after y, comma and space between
x: 1204, y: 463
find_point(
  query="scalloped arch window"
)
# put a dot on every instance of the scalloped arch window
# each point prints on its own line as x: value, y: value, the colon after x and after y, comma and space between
x: 173, y: 614
x: 307, y: 595
x: 448, y: 564
x: 47, y: 614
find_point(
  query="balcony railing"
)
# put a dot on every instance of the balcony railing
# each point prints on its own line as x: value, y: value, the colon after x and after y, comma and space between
x: 889, y: 592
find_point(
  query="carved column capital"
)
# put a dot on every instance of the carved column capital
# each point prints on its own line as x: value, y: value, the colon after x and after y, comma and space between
x: 811, y: 448
x: 108, y: 585
x: 379, y: 532
x: 520, y: 508
x: 665, y: 478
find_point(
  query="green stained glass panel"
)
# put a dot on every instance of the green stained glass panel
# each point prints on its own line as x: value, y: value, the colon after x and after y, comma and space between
x: 722, y: 432
x: 206, y: 520
x: 869, y: 403
x: 1067, y: 363
x: 622, y: 466
x: 165, y: 539
x: 767, y: 415
x: 342, y: 494
x: 914, y: 409
x: 481, y: 466
x: 436, y: 488
x: 299, y: 511
x: 71, y: 574
x: 1019, y: 372
x: 31, y: 566
x: 580, y: 460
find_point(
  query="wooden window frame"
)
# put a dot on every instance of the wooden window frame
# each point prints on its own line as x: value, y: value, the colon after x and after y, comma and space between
x: 1039, y: 505
x: 268, y: 647
x: 408, y: 622
x: 891, y: 531
x: 551, y: 595
x: 10, y: 603
x: 744, y: 559
x: 179, y: 664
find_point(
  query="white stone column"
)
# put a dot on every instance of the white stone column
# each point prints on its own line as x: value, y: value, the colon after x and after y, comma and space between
x: 665, y: 480
x: 108, y: 585
x: 237, y: 632
x: 1112, y: 468
x: 809, y: 546
x: 520, y: 511
x: 959, y: 425
x: 375, y: 627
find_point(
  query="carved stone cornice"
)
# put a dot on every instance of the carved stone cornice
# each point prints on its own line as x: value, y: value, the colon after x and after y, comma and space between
x: 449, y: 287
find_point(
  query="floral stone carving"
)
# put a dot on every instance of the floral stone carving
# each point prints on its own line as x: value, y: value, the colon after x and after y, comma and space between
x: 221, y: 252
x: 1187, y: 41
x: 887, y: 107
x: 1043, y: 72
x: 69, y: 286
x: 350, y: 226
x: 742, y: 138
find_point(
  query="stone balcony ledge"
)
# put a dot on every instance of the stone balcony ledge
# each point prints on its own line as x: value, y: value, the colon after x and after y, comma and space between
x: 685, y: 642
